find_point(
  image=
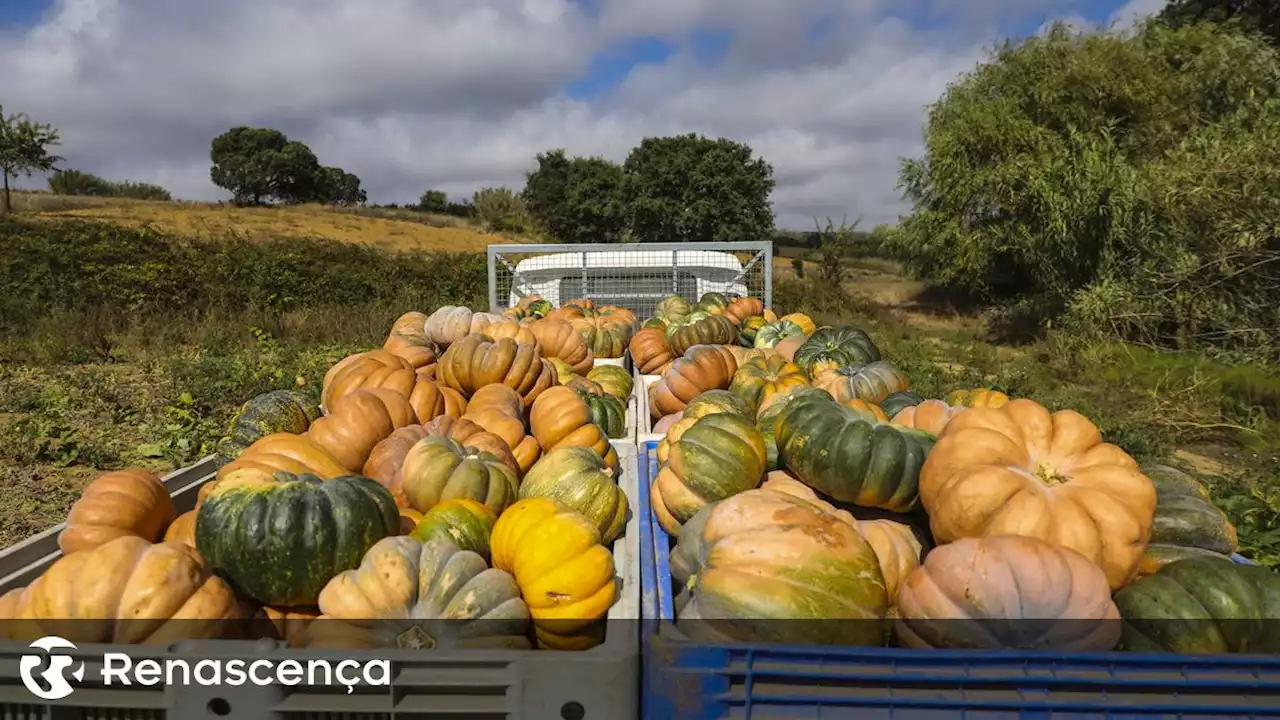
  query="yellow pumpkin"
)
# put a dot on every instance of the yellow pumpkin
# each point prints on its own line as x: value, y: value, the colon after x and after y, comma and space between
x: 805, y: 322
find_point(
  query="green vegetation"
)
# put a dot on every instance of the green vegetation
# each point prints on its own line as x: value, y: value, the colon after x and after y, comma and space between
x: 24, y: 149
x: 260, y: 164
x: 83, y: 184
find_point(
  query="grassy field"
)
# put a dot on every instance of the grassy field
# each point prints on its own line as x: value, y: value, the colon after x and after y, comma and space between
x: 142, y: 362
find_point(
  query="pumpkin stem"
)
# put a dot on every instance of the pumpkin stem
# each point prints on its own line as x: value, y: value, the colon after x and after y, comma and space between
x: 1049, y: 475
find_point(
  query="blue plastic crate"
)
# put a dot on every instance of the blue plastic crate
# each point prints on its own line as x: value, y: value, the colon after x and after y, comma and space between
x: 684, y: 680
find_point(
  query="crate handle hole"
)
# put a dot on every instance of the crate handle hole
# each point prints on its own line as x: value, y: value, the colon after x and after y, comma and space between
x: 219, y: 707
x: 573, y: 711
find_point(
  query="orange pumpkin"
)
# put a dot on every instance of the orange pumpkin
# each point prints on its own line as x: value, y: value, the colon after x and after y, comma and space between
x: 497, y: 397
x: 183, y: 529
x: 931, y: 416
x: 742, y: 308
x: 359, y: 421
x: 787, y: 346
x: 474, y: 362
x: 385, y: 457
x: 511, y: 329
x: 408, y: 340
x: 1022, y: 470
x: 649, y: 350
x: 374, y: 369
x: 560, y: 339
x: 562, y: 418
x: 284, y: 452
x: 125, y: 502
x: 606, y: 337
x: 703, y: 368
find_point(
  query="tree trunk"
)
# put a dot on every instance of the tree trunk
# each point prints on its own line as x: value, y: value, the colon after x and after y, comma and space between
x: 5, y: 208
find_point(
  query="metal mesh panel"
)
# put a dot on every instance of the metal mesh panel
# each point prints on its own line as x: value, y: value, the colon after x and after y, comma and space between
x: 634, y: 276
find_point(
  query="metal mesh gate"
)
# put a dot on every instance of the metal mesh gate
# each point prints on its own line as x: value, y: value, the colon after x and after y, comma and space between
x: 634, y: 276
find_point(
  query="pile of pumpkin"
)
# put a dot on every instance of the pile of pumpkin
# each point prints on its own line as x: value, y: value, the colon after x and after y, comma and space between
x: 454, y: 488
x: 801, y: 479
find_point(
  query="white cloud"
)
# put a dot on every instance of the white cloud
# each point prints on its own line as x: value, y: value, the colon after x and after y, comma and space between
x: 459, y: 94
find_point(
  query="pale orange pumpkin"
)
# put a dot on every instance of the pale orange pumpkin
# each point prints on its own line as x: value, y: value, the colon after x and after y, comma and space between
x: 408, y: 340
x: 649, y: 350
x: 357, y: 422
x: 497, y: 397
x: 183, y: 529
x: 125, y: 502
x: 702, y: 368
x: 1021, y: 470
x: 787, y: 346
x: 284, y: 452
x: 511, y: 329
x: 474, y: 362
x: 931, y: 416
x: 375, y: 369
x: 742, y: 308
x: 561, y: 418
x: 559, y: 339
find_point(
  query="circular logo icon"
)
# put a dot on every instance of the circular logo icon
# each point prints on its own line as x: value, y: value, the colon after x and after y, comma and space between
x: 55, y: 685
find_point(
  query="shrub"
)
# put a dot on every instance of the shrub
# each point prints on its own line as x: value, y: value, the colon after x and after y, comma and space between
x: 501, y: 210
x: 76, y: 182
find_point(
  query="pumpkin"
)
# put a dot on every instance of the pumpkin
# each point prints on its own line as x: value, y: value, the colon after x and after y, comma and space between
x: 1022, y: 470
x: 1202, y: 606
x: 564, y: 371
x: 804, y: 321
x: 621, y: 314
x: 473, y: 436
x: 871, y: 383
x: 979, y: 397
x: 713, y: 303
x: 836, y: 347
x: 899, y: 401
x: 672, y: 306
x: 408, y: 340
x: 744, y: 355
x: 657, y: 323
x: 761, y: 558
x: 286, y: 452
x: 510, y: 329
x: 770, y: 334
x: 740, y: 309
x: 367, y: 371
x: 1185, y: 518
x: 843, y: 453
x: 431, y: 400
x: 605, y: 337
x: 714, y: 401
x: 931, y: 416
x: 287, y: 624
x: 559, y: 339
x: 665, y: 424
x: 136, y: 591
x: 712, y: 330
x: 564, y: 574
x: 748, y: 328
x: 450, y: 324
x: 463, y: 522
x: 579, y: 479
x: 703, y: 368
x: 438, y: 468
x: 787, y: 346
x: 1007, y: 592
x: 583, y: 385
x: 278, y: 538
x: 271, y: 412
x: 769, y: 412
x: 759, y: 379
x: 562, y: 418
x: 649, y: 350
x: 720, y: 455
x: 532, y: 306
x: 125, y: 502
x: 387, y: 456
x: 423, y: 596
x: 497, y: 397
x: 613, y: 380
x: 866, y: 410
x: 474, y: 362
x: 607, y: 413
x: 358, y: 422
x: 182, y: 529
x: 409, y: 519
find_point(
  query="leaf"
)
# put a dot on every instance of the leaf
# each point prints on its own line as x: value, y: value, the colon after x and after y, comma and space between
x: 150, y: 450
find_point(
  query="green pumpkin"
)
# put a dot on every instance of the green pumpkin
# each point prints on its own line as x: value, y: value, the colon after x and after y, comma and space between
x: 613, y: 380
x: 438, y: 468
x: 748, y: 328
x: 714, y: 401
x: 899, y: 401
x: 279, y: 538
x: 607, y: 412
x: 710, y: 330
x: 671, y: 307
x: 720, y: 455
x: 278, y: 411
x: 577, y: 477
x: 654, y: 322
x: 1185, y: 519
x: 713, y: 303
x: 837, y: 451
x: 869, y: 383
x: 767, y: 419
x: 770, y: 334
x: 465, y: 523
x: 1203, y: 606
x: 834, y: 347
x: 539, y: 309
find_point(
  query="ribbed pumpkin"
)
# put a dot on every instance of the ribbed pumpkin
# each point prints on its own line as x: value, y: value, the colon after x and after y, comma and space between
x: 278, y: 538
x: 271, y: 412
x: 656, y: 323
x: 607, y: 413
x: 899, y: 401
x: 125, y: 502
x: 559, y: 339
x: 437, y: 469
x: 408, y: 340
x: 564, y: 371
x: 499, y: 397
x: 841, y: 453
x: 667, y: 422
x: 562, y: 418
x: 748, y: 328
x: 931, y: 416
x: 287, y: 624
x: 511, y: 329
x: 871, y: 383
x: 367, y: 371
x: 759, y: 379
x: 978, y: 397
x: 426, y: 596
x: 769, y: 412
x: 714, y: 401
x: 1202, y: 606
x: 720, y: 455
x: 703, y: 368
x: 713, y: 303
x: 770, y: 334
x: 835, y: 347
x: 564, y: 574
x: 672, y: 306
x: 503, y: 429
x: 182, y: 529
x: 739, y: 309
x: 450, y: 324
x: 141, y: 593
x: 744, y: 355
x: 357, y: 422
x: 606, y: 337
x: 463, y: 522
x: 613, y: 380
x: 285, y: 452
x: 1006, y: 592
x: 866, y: 410
x: 804, y: 321
x: 1022, y: 470
x: 1186, y: 520
x: 788, y: 346
x: 767, y: 566
x: 474, y: 362
x: 649, y: 350
x: 578, y: 478
x: 712, y: 330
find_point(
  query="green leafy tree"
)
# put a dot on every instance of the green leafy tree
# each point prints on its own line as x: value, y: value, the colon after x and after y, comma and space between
x: 577, y: 200
x: 339, y: 187
x: 75, y: 182
x: 24, y: 150
x: 1257, y: 15
x: 433, y: 201
x: 692, y: 188
x: 261, y: 164
x: 500, y: 209
x: 1132, y: 182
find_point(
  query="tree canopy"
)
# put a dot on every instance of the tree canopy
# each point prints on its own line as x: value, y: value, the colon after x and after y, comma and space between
x: 577, y: 200
x: 24, y: 149
x: 1257, y: 15
x: 261, y: 164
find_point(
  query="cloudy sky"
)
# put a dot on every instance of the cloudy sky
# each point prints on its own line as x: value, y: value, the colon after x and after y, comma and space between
x: 460, y: 94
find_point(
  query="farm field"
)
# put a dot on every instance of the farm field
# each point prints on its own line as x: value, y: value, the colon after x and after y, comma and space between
x: 119, y: 382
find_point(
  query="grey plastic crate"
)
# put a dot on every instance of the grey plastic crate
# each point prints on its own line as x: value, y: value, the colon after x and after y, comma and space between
x: 603, y: 682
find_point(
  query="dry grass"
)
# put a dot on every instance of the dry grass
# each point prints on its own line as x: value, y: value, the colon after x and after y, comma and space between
x: 391, y: 230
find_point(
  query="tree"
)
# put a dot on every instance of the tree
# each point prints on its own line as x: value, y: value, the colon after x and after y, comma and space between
x: 691, y: 188
x: 500, y: 209
x: 1257, y: 15
x: 24, y: 149
x: 339, y: 187
x: 433, y: 201
x: 578, y: 200
x: 260, y: 164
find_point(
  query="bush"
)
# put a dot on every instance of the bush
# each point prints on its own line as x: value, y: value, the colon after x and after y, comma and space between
x: 501, y: 210
x: 76, y: 182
